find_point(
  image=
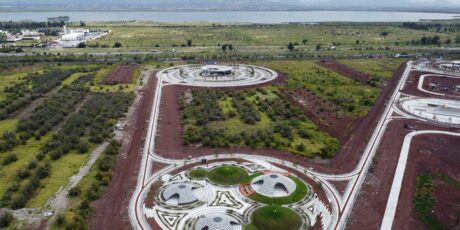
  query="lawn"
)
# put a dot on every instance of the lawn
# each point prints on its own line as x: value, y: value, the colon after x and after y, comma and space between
x: 376, y: 67
x: 227, y: 175
x: 352, y: 97
x: 274, y: 217
x: 198, y: 173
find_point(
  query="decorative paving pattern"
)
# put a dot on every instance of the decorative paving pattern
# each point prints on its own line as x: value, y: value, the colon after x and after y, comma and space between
x: 217, y: 200
x: 170, y: 219
x: 225, y: 199
x: 242, y: 75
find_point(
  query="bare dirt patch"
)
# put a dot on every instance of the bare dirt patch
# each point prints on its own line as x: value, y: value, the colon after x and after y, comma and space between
x: 434, y: 154
x: 370, y: 206
x: 123, y: 74
x: 411, y: 86
x: 346, y: 71
x: 111, y: 210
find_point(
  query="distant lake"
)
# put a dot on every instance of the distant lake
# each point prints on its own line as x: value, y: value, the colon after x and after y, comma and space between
x: 231, y: 16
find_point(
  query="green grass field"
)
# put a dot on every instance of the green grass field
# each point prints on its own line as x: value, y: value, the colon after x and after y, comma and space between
x: 149, y: 34
x: 352, y: 97
x: 8, y: 79
x: 274, y: 217
x: 284, y: 129
x: 227, y: 175
x: 198, y: 173
x: 25, y: 154
x: 379, y: 68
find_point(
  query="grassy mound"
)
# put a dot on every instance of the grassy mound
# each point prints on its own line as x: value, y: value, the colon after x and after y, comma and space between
x: 227, y: 175
x: 198, y: 174
x: 275, y: 217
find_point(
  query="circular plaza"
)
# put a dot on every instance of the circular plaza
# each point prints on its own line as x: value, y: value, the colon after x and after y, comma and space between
x: 217, y: 75
x: 441, y: 111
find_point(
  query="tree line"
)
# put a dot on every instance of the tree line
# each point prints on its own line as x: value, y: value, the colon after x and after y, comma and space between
x: 32, y: 87
x: 92, y: 122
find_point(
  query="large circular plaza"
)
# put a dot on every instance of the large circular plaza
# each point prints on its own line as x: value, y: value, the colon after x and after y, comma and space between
x: 217, y: 75
x: 230, y: 195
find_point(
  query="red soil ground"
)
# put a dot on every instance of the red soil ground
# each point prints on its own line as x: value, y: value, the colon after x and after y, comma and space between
x: 412, y: 84
x: 111, y: 210
x: 447, y: 203
x: 442, y: 82
x: 321, y: 112
x: 123, y: 74
x: 346, y: 71
x: 430, y: 154
x: 370, y: 206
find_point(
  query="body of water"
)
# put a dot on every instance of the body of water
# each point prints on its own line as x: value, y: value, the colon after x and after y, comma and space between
x: 231, y: 16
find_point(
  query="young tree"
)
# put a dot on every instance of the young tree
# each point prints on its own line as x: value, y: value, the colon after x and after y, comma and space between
x: 189, y: 42
x: 290, y: 46
x: 318, y: 47
x: 304, y: 41
x: 117, y: 45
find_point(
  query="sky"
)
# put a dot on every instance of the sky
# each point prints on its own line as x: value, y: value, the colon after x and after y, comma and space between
x: 338, y: 3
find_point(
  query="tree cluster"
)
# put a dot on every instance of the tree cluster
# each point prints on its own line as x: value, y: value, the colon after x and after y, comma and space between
x: 46, y: 116
x: 32, y: 87
x: 94, y: 119
x: 17, y: 26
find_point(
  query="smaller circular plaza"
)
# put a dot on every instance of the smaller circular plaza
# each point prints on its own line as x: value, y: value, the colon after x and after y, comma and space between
x: 217, y: 75
x: 442, y: 111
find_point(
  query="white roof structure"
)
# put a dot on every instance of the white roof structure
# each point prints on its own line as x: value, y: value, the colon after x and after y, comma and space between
x: 180, y: 193
x: 217, y: 222
x: 438, y: 110
x: 273, y: 185
x: 217, y: 68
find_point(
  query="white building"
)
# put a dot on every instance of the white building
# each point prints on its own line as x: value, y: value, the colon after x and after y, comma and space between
x: 74, y: 34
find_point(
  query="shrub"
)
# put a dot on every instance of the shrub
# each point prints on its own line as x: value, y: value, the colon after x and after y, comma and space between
x: 5, y: 218
x: 10, y: 158
x: 75, y: 191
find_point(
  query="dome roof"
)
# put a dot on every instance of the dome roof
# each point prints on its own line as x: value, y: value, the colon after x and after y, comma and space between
x: 274, y: 185
x: 180, y: 193
x: 217, y: 222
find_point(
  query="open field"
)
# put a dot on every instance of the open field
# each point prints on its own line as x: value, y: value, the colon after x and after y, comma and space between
x: 379, y: 68
x: 258, y: 118
x: 352, y: 97
x: 148, y: 34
